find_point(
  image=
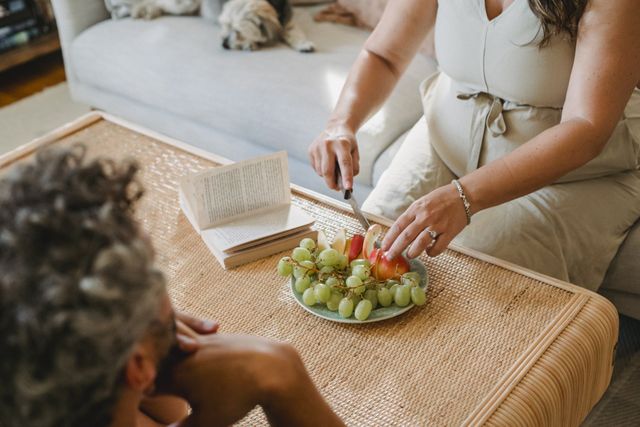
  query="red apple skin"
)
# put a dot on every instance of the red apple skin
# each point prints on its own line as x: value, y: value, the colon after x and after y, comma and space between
x: 356, y: 247
x: 383, y: 268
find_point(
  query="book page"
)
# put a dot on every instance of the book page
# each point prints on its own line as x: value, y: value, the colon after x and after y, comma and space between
x: 245, y: 188
x: 254, y: 228
x: 249, y: 253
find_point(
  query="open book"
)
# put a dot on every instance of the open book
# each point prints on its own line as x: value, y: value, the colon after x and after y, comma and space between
x: 243, y: 211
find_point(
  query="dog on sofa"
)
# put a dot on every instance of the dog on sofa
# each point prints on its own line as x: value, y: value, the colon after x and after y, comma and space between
x: 249, y: 24
x: 245, y: 24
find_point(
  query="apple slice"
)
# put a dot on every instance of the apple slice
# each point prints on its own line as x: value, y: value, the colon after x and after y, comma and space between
x: 370, y: 238
x: 340, y: 241
x: 323, y: 242
x: 347, y: 246
x: 354, y: 248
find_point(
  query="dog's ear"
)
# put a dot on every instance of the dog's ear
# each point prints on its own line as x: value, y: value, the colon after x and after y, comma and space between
x: 268, y: 17
x: 283, y: 8
x: 263, y: 30
x: 270, y: 26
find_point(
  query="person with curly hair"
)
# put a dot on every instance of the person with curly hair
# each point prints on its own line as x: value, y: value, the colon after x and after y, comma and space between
x: 89, y: 337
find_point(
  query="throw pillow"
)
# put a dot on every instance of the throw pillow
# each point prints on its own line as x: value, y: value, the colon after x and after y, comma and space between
x: 365, y: 13
x: 368, y: 12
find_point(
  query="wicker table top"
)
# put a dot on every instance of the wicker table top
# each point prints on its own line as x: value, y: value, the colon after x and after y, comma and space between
x: 492, y: 345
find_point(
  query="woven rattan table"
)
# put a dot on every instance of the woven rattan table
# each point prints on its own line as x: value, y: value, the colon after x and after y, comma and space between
x: 495, y: 344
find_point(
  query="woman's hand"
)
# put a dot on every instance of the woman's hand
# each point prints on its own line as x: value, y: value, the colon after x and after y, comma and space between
x: 440, y: 211
x: 336, y: 145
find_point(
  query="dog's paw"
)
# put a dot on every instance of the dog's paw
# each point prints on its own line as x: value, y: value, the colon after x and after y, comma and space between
x: 250, y: 47
x: 305, y: 47
x: 146, y: 11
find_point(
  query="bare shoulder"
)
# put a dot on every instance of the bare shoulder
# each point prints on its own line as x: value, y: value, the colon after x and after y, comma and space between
x: 615, y: 24
x: 624, y: 10
x: 607, y: 63
x: 403, y: 27
x: 615, y: 19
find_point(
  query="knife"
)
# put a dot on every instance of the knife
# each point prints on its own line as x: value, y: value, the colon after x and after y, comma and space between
x: 348, y: 196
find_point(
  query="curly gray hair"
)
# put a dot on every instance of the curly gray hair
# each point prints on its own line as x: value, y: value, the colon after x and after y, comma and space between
x: 77, y: 288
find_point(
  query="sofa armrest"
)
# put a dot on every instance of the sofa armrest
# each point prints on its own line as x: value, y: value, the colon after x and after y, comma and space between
x: 73, y: 17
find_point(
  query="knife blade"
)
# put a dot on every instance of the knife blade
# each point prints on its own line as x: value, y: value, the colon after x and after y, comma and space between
x: 348, y: 196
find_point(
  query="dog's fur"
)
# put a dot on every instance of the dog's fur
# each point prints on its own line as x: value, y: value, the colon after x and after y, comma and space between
x: 245, y: 24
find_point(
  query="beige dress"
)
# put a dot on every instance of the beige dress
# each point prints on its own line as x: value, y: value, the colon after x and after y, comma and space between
x: 496, y: 90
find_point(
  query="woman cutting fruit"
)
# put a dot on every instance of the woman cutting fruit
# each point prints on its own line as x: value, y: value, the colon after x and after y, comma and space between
x: 531, y: 127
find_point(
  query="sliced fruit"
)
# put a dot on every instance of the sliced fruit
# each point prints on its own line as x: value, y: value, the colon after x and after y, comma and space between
x: 374, y: 259
x: 340, y: 241
x: 370, y: 238
x: 323, y: 242
x: 347, y: 246
x: 355, y: 247
x: 384, y: 268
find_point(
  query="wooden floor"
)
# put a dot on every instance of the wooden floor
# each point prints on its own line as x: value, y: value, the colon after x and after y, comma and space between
x: 32, y: 77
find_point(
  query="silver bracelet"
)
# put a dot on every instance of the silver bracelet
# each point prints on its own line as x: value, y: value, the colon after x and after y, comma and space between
x: 465, y: 202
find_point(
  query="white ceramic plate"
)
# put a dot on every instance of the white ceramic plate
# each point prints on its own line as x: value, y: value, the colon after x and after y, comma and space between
x: 380, y: 313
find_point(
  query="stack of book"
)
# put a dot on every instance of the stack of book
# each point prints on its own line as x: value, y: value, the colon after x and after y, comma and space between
x: 23, y: 20
x: 243, y: 211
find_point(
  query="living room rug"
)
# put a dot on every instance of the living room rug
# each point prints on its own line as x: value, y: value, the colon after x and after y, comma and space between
x: 36, y: 115
x: 620, y: 405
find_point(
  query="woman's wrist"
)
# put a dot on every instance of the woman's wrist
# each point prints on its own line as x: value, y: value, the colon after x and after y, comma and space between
x: 474, y: 189
x: 466, y: 204
x: 340, y: 126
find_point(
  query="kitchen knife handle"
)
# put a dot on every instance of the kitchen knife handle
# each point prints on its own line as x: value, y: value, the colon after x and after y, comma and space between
x: 347, y: 193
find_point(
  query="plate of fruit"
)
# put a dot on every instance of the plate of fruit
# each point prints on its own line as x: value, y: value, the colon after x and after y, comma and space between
x: 351, y: 281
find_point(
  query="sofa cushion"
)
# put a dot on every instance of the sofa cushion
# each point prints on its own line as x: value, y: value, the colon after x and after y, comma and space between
x: 622, y: 280
x: 276, y: 98
x: 384, y: 160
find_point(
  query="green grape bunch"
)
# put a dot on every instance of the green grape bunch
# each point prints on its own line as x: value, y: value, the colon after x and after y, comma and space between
x: 325, y: 276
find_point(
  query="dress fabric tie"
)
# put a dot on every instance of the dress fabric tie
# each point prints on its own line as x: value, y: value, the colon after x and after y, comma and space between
x: 488, y: 115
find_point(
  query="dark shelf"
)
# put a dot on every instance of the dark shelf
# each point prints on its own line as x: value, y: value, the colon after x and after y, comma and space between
x: 37, y: 47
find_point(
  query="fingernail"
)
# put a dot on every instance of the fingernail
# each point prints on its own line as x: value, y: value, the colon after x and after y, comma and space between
x: 186, y: 341
x: 208, y: 324
x: 389, y: 256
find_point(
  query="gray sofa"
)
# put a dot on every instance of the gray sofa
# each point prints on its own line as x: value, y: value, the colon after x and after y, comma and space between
x: 171, y: 75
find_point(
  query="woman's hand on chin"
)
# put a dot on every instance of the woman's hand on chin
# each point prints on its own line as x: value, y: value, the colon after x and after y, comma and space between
x: 336, y: 145
x: 440, y: 213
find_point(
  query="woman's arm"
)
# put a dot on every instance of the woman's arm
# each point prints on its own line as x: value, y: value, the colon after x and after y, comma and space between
x: 605, y: 71
x: 385, y: 57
